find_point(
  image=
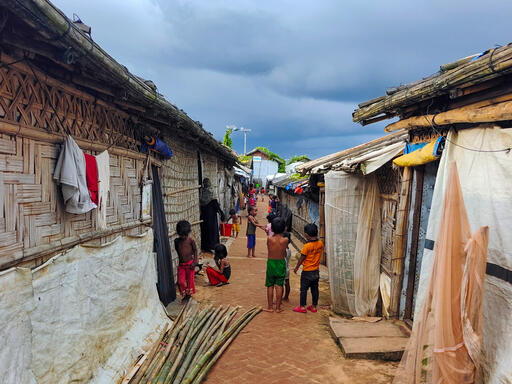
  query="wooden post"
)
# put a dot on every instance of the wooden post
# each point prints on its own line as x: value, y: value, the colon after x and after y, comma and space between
x: 399, y: 242
x: 413, y: 255
x: 321, y: 208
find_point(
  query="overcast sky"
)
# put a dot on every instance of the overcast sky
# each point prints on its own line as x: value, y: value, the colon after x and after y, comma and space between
x: 291, y: 70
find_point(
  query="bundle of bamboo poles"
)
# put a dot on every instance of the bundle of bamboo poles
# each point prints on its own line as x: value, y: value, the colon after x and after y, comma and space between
x: 186, y: 351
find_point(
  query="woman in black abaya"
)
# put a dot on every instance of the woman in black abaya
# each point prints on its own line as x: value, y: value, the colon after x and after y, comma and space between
x: 210, y: 224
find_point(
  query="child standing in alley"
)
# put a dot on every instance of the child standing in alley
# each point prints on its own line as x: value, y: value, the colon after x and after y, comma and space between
x: 268, y: 227
x: 187, y: 254
x: 310, y: 260
x: 236, y: 220
x: 252, y: 224
x: 276, y: 265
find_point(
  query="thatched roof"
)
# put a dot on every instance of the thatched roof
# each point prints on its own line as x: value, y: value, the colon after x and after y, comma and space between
x: 454, y: 80
x: 45, y: 31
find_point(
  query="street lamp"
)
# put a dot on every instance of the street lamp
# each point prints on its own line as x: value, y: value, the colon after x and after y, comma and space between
x: 241, y: 129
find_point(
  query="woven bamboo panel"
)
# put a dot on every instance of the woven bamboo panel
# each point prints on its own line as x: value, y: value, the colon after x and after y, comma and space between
x: 27, y: 100
x: 31, y: 207
x: 389, y: 185
x: 181, y: 196
x: 211, y: 170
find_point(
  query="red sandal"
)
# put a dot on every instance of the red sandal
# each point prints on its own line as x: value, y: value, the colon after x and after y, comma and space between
x: 312, y: 309
x: 300, y: 310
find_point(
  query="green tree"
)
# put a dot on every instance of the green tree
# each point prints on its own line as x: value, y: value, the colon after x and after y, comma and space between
x: 297, y: 158
x: 275, y: 157
x: 226, y: 140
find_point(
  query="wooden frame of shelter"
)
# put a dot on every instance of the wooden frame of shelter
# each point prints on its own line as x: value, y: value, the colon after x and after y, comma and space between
x: 466, y: 98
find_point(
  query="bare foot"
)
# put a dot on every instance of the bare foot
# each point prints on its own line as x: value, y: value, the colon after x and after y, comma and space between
x: 279, y: 310
x: 267, y: 310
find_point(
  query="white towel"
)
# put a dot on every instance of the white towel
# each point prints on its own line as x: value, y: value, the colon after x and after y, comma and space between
x: 70, y: 174
x: 103, y: 160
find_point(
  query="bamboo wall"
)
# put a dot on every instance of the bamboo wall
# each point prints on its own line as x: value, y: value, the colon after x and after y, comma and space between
x: 180, y: 183
x: 36, y: 112
x: 389, y: 186
x: 32, y: 216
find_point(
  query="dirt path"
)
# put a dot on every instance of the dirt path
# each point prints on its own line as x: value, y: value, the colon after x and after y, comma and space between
x: 280, y: 348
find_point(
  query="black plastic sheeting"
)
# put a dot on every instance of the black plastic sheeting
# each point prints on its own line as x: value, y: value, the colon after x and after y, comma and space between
x: 165, y: 284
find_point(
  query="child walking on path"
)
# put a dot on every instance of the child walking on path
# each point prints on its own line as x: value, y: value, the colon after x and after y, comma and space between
x: 310, y: 260
x: 221, y: 276
x: 187, y: 254
x: 236, y: 220
x: 276, y: 265
x: 252, y: 224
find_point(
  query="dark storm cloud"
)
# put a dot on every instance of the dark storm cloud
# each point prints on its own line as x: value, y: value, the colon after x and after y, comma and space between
x: 292, y: 71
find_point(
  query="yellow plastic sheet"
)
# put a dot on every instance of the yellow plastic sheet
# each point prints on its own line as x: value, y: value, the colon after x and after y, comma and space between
x: 421, y: 156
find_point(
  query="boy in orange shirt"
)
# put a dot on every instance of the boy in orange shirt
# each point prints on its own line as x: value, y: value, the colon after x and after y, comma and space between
x: 310, y: 259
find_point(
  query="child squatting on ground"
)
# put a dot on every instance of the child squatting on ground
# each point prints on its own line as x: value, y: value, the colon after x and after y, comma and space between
x: 220, y: 276
x: 252, y: 224
x: 276, y: 265
x: 310, y: 261
x: 187, y: 254
x: 236, y: 220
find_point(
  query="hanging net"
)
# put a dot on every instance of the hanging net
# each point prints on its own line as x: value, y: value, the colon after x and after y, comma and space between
x: 444, y: 347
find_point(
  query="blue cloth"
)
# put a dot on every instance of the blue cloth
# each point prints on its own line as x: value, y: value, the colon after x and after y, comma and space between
x: 411, y: 147
x: 314, y: 213
x: 251, y: 241
x: 157, y: 145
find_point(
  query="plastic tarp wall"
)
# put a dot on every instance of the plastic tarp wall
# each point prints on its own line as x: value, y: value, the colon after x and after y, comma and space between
x: 343, y: 195
x: 83, y: 316
x: 486, y: 182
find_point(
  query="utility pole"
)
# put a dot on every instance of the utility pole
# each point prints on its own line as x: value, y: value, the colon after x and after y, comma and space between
x: 244, y: 131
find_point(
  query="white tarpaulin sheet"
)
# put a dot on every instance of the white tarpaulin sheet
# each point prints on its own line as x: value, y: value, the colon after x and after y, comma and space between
x: 486, y: 180
x: 343, y: 195
x: 373, y: 159
x: 83, y: 316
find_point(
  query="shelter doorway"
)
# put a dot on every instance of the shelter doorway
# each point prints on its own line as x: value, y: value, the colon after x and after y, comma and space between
x: 199, y: 168
x: 422, y: 193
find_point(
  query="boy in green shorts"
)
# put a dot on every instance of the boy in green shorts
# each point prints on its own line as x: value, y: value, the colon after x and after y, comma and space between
x: 276, y: 265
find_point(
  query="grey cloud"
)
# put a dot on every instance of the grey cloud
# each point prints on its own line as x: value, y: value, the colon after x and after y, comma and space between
x: 290, y: 70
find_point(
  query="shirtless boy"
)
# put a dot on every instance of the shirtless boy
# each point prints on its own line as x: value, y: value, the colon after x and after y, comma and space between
x: 276, y: 265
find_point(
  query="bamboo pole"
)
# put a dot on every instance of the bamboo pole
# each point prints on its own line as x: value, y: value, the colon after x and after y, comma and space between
x: 142, y: 369
x: 193, y: 345
x: 22, y: 130
x: 181, y: 354
x: 160, y: 359
x: 468, y: 114
x: 211, y: 334
x: 66, y: 243
x: 210, y: 353
x: 170, y: 363
x: 204, y: 371
x: 399, y: 242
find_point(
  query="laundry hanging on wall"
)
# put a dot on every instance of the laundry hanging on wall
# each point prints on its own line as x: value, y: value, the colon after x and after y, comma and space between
x: 103, y: 163
x: 70, y: 173
x: 91, y: 176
